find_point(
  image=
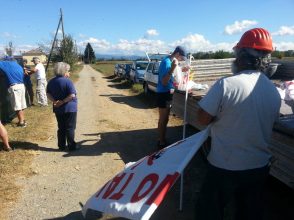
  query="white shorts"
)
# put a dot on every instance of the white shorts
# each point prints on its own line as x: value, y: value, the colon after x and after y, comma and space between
x: 17, y: 97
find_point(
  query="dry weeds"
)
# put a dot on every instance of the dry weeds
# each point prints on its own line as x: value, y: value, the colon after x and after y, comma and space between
x: 16, y: 164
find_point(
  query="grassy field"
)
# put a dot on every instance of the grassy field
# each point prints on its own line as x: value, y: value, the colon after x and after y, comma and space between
x: 16, y: 164
x: 107, y: 68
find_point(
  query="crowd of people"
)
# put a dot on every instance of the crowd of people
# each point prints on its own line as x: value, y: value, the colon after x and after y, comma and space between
x: 241, y: 110
x: 60, y: 90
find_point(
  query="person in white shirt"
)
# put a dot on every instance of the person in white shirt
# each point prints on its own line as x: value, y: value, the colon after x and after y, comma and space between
x: 241, y: 110
x: 41, y: 81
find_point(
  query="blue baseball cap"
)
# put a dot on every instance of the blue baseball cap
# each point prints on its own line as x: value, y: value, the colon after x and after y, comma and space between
x: 181, y: 50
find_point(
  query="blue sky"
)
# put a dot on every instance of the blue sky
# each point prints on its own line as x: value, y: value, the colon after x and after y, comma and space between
x: 135, y: 26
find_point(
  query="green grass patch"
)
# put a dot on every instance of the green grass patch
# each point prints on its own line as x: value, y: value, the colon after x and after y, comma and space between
x: 137, y: 88
x: 105, y: 67
x: 74, y: 74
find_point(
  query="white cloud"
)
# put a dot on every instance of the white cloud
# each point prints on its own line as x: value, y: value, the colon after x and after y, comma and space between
x: 193, y: 42
x: 196, y: 42
x: 123, y: 46
x: 283, y: 46
x: 239, y: 26
x: 100, y: 44
x: 141, y: 46
x: 151, y: 32
x: 284, y: 30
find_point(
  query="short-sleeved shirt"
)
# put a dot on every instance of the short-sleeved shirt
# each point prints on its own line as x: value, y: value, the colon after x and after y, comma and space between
x: 40, y: 74
x: 13, y: 72
x: 164, y: 68
x: 245, y: 107
x: 59, y: 88
x: 27, y: 78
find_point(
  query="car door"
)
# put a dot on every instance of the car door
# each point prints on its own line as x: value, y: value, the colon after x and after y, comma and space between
x: 148, y: 73
x: 154, y: 76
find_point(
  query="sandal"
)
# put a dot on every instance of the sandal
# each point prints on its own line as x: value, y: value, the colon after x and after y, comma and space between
x: 7, y: 149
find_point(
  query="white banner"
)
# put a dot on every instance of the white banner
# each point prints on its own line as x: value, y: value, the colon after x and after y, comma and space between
x: 137, y: 191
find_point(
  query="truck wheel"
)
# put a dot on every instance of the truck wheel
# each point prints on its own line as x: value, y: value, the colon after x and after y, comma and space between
x: 146, y: 89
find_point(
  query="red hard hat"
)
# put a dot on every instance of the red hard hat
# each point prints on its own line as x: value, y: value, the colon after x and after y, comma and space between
x: 256, y: 38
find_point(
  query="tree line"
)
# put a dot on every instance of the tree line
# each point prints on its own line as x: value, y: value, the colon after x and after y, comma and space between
x: 221, y: 54
x: 89, y: 54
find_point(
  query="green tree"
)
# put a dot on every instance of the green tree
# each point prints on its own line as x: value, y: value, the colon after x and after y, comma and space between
x: 68, y: 51
x: 289, y: 53
x: 220, y: 54
x: 89, y: 54
x: 278, y: 54
x: 65, y: 51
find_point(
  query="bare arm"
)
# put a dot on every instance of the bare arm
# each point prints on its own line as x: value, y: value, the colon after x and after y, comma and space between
x: 33, y: 70
x: 58, y: 103
x: 69, y: 98
x: 167, y: 77
x: 203, y: 117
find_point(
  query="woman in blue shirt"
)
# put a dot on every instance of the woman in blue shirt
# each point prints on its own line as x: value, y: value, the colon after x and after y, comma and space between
x: 61, y: 91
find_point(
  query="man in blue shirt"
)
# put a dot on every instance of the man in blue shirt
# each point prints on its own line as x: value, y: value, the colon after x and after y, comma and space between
x: 61, y: 91
x: 14, y: 78
x: 165, y: 90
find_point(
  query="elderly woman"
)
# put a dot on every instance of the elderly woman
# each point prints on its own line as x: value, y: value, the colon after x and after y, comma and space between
x: 61, y: 91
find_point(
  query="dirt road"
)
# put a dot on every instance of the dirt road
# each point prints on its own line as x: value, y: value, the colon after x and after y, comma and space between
x: 114, y: 127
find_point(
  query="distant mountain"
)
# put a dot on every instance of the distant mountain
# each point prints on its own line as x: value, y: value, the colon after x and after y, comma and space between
x: 118, y: 57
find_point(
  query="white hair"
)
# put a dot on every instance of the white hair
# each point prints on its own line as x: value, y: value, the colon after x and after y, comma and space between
x: 61, y: 68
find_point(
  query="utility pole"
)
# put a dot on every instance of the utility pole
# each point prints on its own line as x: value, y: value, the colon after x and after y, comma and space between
x: 61, y: 19
x: 55, y: 37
